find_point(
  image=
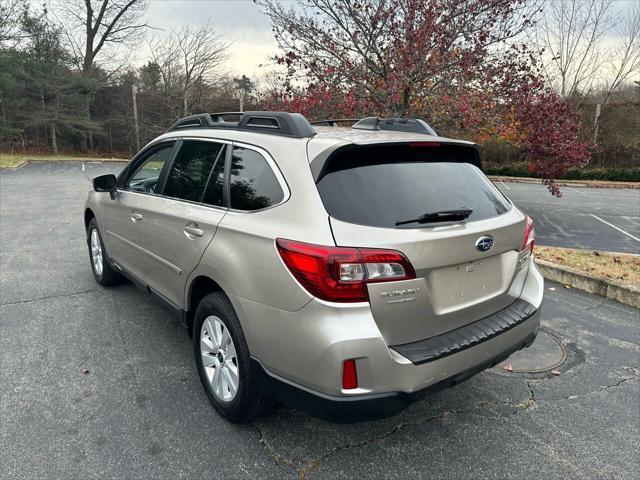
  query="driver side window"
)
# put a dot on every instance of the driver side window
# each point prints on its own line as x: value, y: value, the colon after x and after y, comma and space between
x: 146, y: 177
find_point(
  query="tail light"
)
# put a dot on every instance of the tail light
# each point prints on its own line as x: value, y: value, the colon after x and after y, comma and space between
x: 349, y: 374
x: 529, y: 235
x: 340, y: 274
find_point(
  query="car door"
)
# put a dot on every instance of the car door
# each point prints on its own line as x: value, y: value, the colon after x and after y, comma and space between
x: 122, y: 215
x: 179, y: 225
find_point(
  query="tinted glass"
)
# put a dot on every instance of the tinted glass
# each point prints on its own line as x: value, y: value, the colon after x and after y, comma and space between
x: 191, y: 168
x: 146, y: 177
x: 253, y: 183
x: 381, y: 186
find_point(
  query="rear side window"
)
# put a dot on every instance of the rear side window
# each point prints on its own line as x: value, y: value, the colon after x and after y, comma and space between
x: 253, y: 184
x: 191, y: 170
x: 379, y: 186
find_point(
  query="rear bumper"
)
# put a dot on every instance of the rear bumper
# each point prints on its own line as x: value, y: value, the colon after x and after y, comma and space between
x: 345, y: 409
x: 304, y: 367
x: 449, y: 343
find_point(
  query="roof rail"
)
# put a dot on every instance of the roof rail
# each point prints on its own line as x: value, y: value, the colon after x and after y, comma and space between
x: 274, y: 123
x: 413, y: 125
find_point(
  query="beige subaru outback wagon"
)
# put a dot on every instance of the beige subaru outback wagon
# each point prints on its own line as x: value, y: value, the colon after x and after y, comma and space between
x: 344, y: 271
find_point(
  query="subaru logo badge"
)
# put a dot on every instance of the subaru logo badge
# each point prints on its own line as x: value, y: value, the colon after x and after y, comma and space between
x: 484, y: 244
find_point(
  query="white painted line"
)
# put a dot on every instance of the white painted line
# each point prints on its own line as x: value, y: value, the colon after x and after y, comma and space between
x: 505, y: 185
x: 617, y: 228
x: 575, y: 190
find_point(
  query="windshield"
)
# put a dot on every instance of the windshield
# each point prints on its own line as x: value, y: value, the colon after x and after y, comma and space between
x: 380, y: 186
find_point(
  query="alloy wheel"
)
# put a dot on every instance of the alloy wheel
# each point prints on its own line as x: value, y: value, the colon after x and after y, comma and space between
x: 219, y: 359
x: 96, y: 252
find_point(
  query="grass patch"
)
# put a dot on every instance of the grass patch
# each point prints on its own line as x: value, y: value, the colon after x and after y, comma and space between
x: 620, y: 267
x: 8, y: 160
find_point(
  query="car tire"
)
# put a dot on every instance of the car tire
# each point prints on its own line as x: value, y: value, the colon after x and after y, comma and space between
x: 223, y: 361
x: 104, y: 274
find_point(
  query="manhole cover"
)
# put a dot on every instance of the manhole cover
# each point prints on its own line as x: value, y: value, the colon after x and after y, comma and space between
x: 545, y: 354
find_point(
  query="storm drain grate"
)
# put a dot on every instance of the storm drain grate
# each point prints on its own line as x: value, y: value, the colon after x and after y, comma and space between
x: 545, y: 354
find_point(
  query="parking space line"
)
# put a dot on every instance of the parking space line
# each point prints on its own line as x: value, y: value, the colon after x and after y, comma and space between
x: 613, y: 226
x: 574, y: 190
x: 505, y: 185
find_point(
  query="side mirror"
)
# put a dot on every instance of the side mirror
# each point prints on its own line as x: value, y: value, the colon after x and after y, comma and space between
x: 105, y: 183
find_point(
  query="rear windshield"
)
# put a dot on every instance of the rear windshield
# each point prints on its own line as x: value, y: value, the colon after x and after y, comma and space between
x: 379, y: 186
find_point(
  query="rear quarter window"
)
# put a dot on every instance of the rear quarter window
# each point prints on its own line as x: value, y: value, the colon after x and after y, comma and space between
x: 253, y: 184
x: 379, y: 186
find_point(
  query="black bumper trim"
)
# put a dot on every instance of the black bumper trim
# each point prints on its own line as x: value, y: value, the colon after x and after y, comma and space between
x: 434, y: 348
x: 362, y: 407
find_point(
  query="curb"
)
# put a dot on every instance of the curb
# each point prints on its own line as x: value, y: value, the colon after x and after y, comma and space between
x: 627, y: 294
x: 16, y: 167
x: 77, y: 160
x: 568, y: 183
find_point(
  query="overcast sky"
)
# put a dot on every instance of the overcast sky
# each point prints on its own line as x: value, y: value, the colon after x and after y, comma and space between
x: 239, y: 22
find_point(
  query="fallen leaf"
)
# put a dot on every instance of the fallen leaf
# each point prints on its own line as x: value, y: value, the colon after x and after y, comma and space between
x: 556, y: 372
x: 553, y: 289
x: 85, y: 371
x: 508, y: 367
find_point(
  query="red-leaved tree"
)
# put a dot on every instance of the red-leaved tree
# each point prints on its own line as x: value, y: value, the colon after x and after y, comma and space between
x: 455, y: 63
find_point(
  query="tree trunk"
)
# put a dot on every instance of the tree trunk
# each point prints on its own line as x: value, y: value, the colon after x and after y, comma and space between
x: 54, y: 139
x: 89, y: 133
x: 4, y: 108
x: 54, y: 136
x: 596, y: 126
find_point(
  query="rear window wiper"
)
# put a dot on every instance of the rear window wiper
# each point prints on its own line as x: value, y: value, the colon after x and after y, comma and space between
x: 443, y: 216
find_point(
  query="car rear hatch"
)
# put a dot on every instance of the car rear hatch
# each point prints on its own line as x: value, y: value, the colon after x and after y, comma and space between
x: 464, y: 267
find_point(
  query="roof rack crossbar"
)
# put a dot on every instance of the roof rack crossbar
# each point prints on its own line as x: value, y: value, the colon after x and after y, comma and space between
x: 274, y: 123
x: 334, y: 121
x: 413, y: 125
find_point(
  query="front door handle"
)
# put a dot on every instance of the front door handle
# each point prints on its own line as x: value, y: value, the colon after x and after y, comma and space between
x: 191, y: 230
x: 136, y: 217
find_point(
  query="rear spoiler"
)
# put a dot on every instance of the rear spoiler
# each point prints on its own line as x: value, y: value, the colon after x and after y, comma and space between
x: 470, y: 152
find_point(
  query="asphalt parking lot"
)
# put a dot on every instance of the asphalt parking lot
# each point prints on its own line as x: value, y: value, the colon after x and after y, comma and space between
x: 591, y: 218
x: 100, y: 383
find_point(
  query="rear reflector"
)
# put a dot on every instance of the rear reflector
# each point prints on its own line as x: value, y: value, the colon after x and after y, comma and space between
x: 349, y: 374
x: 529, y: 235
x: 340, y: 274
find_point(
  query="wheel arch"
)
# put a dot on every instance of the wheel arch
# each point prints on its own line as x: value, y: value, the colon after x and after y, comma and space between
x: 199, y: 287
x: 88, y: 215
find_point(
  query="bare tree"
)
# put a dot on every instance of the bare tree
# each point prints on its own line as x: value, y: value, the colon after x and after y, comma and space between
x: 623, y: 64
x: 187, y: 58
x: 10, y: 10
x: 571, y: 33
x: 91, y: 26
x: 96, y: 24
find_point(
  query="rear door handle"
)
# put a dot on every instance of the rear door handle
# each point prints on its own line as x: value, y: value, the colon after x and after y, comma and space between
x: 191, y: 230
x: 136, y: 217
